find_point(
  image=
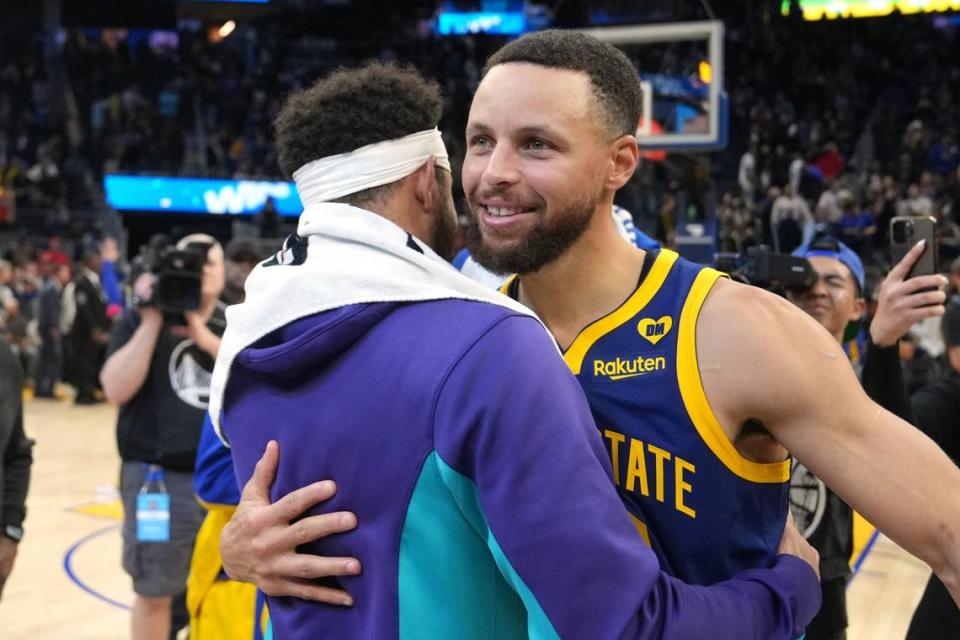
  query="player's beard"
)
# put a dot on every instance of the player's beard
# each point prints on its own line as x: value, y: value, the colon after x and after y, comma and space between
x: 443, y: 235
x: 544, y: 243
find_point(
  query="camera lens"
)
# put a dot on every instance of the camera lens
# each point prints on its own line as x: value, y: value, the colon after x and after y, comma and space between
x: 902, y: 231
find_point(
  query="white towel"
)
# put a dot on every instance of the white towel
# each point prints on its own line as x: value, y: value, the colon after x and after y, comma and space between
x: 353, y: 256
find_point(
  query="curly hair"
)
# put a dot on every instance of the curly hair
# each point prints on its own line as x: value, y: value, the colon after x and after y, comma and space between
x: 351, y: 108
x: 615, y: 81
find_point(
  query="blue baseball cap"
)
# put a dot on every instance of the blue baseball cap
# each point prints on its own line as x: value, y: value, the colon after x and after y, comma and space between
x: 833, y: 248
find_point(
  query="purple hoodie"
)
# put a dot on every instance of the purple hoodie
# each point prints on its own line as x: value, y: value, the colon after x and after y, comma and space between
x: 481, y: 485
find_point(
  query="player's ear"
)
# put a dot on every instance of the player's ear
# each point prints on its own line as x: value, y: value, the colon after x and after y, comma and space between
x: 426, y: 184
x: 624, y: 155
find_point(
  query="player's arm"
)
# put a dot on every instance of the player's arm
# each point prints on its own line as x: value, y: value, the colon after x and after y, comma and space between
x: 518, y: 448
x: 761, y: 358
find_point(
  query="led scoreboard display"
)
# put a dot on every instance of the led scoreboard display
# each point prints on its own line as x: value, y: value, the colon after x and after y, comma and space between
x: 832, y: 9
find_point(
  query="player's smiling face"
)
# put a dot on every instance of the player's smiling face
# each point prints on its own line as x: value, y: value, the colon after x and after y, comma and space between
x: 534, y: 168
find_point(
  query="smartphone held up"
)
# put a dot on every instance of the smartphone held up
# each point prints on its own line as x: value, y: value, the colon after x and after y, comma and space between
x: 905, y: 233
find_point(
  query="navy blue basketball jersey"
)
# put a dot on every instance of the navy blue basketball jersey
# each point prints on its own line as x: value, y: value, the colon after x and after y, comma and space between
x: 706, y: 511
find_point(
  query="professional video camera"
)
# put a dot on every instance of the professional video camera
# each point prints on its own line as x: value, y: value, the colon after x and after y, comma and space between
x: 764, y: 268
x: 178, y: 274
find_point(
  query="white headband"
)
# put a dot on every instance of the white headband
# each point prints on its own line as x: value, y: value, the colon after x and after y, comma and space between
x: 374, y: 165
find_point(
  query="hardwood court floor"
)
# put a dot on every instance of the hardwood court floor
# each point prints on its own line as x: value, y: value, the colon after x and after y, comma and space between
x: 76, y: 465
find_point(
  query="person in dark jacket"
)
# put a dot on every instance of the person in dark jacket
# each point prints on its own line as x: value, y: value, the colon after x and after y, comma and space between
x: 88, y: 331
x: 15, y: 462
x: 50, y: 361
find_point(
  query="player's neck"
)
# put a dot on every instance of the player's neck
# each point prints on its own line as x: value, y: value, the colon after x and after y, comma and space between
x: 591, y: 279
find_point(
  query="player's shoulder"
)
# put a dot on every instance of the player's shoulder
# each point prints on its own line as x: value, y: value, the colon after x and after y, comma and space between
x: 466, y: 321
x: 750, y: 305
x: 761, y: 357
x: 746, y: 317
x: 508, y: 329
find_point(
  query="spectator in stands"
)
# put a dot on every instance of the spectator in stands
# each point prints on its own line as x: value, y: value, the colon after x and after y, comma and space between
x: 7, y: 296
x: 111, y: 276
x: 736, y: 228
x: 268, y: 220
x: 747, y: 177
x: 915, y: 144
x: 16, y: 333
x: 919, y: 369
x: 50, y: 359
x: 26, y: 285
x: 953, y: 191
x: 948, y: 233
x: 88, y: 331
x: 48, y: 191
x: 857, y: 228
x: 828, y: 212
x: 667, y: 221
x: 829, y: 161
x: 54, y: 254
x: 21, y: 252
x: 791, y: 222
x: 795, y: 172
x: 916, y: 203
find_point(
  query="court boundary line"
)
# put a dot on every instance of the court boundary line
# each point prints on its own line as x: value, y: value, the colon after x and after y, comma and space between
x: 71, y: 574
x: 867, y: 548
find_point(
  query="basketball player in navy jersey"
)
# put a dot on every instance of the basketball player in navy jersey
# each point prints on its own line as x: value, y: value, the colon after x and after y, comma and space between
x: 699, y: 385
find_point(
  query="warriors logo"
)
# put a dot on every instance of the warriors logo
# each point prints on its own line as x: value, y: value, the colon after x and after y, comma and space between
x: 808, y: 499
x: 190, y: 379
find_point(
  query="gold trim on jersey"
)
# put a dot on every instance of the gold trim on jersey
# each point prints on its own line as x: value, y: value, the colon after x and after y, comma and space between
x: 695, y: 399
x: 578, y: 349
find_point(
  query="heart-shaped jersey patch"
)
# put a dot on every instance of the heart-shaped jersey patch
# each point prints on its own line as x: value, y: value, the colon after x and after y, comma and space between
x: 655, y: 330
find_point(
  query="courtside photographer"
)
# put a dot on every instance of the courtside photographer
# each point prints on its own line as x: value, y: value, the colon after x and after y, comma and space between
x: 160, y: 359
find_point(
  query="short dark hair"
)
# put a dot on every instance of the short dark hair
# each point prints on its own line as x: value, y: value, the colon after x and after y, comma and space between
x: 615, y: 81
x: 352, y: 108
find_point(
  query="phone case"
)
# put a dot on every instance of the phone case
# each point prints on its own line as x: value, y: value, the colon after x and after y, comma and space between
x: 924, y: 228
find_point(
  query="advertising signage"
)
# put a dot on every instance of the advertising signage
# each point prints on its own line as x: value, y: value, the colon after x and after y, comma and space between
x: 193, y: 195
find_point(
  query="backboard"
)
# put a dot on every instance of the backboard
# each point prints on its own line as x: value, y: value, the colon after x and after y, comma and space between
x: 681, y: 74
